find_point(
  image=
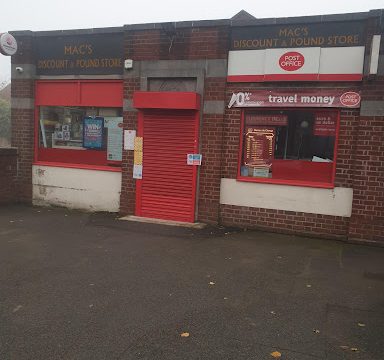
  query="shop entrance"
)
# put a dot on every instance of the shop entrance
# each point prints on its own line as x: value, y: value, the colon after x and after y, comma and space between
x: 167, y: 189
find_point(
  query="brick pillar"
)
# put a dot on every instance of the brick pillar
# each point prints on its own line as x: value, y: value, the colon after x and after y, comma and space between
x: 367, y: 221
x: 211, y: 139
x: 22, y: 112
x: 128, y: 184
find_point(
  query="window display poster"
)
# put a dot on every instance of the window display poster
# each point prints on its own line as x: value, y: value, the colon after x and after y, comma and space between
x: 115, y: 137
x: 325, y: 124
x: 259, y: 146
x: 93, y: 129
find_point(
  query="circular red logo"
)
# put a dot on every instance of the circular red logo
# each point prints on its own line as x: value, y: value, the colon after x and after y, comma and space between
x: 291, y: 61
x: 350, y: 99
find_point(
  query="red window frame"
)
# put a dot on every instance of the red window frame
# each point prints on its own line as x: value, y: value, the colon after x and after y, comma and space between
x: 87, y: 93
x: 313, y: 166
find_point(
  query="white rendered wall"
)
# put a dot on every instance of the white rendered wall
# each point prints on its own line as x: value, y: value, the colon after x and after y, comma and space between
x: 337, y: 201
x: 90, y: 190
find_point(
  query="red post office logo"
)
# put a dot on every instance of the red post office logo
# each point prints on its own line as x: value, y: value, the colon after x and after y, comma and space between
x: 350, y: 99
x: 291, y: 61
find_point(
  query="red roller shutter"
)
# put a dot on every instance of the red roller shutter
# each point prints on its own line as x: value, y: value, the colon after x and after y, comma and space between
x: 168, y: 188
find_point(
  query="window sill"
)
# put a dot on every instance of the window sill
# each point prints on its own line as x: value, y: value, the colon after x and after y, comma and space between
x: 78, y: 166
x: 287, y: 182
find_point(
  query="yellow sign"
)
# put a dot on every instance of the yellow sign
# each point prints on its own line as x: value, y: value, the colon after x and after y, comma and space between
x: 138, y: 143
x: 138, y: 157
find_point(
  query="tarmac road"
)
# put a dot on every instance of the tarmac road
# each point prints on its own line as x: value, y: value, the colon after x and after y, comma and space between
x: 75, y: 285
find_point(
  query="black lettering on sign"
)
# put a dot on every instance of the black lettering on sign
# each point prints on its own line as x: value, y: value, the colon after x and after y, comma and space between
x: 94, y: 54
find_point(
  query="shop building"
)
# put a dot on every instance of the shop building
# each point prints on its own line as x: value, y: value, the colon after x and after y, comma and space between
x: 262, y: 123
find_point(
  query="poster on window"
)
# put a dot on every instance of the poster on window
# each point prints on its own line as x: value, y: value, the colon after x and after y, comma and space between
x: 93, y: 129
x: 114, y: 138
x: 259, y: 146
x: 325, y: 124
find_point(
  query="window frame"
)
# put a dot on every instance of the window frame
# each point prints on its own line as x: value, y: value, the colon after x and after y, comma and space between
x: 292, y: 182
x: 91, y: 159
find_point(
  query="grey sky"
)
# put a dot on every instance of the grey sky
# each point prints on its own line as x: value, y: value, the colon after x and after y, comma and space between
x: 75, y: 14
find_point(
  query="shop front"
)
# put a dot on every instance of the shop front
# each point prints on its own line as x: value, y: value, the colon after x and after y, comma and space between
x: 274, y: 124
x: 78, y: 121
x: 294, y: 93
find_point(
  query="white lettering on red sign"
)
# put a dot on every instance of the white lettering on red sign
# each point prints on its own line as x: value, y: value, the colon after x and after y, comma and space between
x: 291, y: 61
x: 350, y: 98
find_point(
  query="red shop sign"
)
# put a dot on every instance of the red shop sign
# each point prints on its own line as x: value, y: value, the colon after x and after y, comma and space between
x: 324, y: 98
x: 291, y: 61
x: 325, y: 124
x: 277, y: 119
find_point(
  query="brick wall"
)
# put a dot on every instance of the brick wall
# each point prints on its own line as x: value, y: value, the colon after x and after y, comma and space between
x: 8, y: 175
x: 367, y: 221
x: 22, y: 89
x: 189, y: 43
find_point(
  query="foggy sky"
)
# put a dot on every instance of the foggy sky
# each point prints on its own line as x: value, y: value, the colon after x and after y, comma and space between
x: 77, y: 14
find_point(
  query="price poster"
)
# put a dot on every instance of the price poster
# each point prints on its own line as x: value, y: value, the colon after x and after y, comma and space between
x: 93, y: 129
x: 259, y: 146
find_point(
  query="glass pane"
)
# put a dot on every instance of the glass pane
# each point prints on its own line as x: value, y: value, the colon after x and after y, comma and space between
x: 289, y: 144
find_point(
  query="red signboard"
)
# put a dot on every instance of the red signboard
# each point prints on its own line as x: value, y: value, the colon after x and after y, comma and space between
x: 277, y: 119
x: 259, y: 146
x: 324, y: 98
x: 291, y: 61
x: 325, y: 124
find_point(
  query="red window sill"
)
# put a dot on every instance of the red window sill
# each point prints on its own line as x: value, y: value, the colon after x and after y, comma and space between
x: 287, y: 182
x: 78, y: 166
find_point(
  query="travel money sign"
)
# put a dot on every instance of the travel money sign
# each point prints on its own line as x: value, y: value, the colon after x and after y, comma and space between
x: 91, y: 54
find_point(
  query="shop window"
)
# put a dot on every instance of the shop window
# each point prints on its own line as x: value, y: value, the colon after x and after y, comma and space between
x: 83, y: 135
x: 291, y: 146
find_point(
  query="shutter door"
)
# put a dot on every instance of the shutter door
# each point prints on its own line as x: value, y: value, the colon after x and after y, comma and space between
x: 168, y: 186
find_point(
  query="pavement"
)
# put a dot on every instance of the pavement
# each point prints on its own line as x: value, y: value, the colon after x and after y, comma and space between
x: 75, y: 285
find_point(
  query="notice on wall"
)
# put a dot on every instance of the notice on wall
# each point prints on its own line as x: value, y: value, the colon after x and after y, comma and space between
x: 115, y: 137
x: 138, y: 158
x: 259, y: 146
x: 93, y: 129
x: 129, y: 139
x: 138, y: 143
x: 325, y: 124
x: 194, y: 159
x: 137, y: 171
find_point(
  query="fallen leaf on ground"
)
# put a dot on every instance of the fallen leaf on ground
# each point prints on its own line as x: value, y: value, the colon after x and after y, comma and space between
x: 276, y: 354
x: 361, y: 324
x: 225, y: 298
x: 211, y: 283
x: 309, y: 285
x: 354, y: 349
x: 17, y: 308
x: 184, y: 334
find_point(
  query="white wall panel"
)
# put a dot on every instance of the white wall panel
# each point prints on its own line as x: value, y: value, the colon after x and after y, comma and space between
x: 91, y: 190
x: 342, y: 60
x: 246, y: 62
x: 337, y: 201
